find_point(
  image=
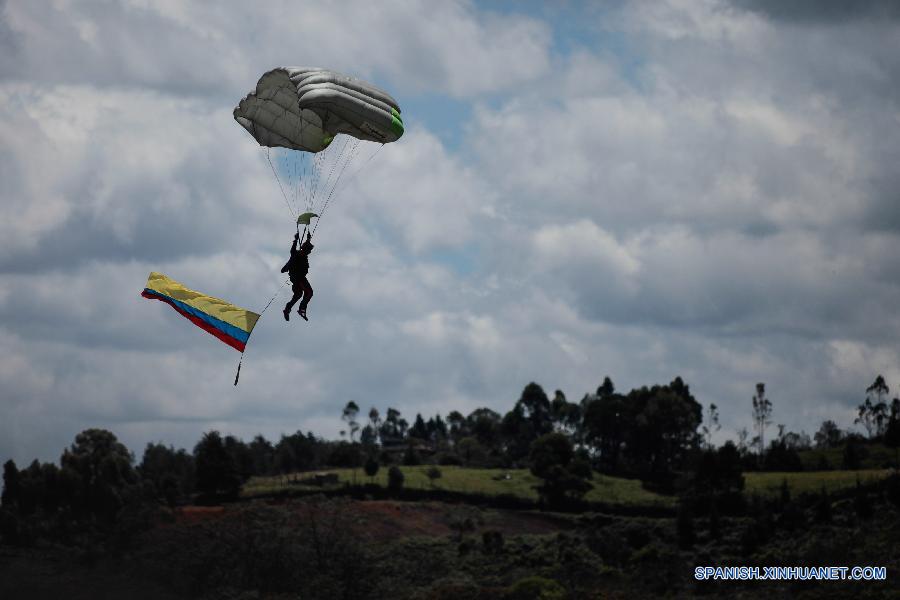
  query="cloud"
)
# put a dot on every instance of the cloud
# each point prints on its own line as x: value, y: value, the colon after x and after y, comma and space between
x: 696, y: 190
x: 446, y: 48
x: 819, y: 11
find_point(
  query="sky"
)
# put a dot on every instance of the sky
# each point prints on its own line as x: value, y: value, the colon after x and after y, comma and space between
x: 641, y: 190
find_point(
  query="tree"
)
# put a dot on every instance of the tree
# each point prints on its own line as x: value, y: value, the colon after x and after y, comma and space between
x: 852, y: 458
x: 263, y: 455
x: 433, y: 474
x: 368, y: 437
x: 873, y: 416
x: 11, y: 485
x: 100, y: 470
x: 743, y: 445
x: 566, y: 415
x: 484, y: 424
x: 243, y: 457
x: 719, y: 471
x: 170, y: 471
x: 437, y: 430
x: 536, y: 408
x: 662, y: 430
x: 782, y: 456
x: 684, y: 526
x: 371, y: 467
x: 375, y: 425
x: 395, y: 478
x: 711, y: 424
x: 470, y: 451
x: 606, y: 419
x: 419, y: 430
x: 297, y: 452
x: 393, y: 429
x: 892, y: 431
x: 410, y: 456
x: 217, y: 472
x: 552, y: 457
x: 458, y: 429
x: 606, y: 388
x: 762, y: 415
x: 829, y: 435
x: 349, y: 414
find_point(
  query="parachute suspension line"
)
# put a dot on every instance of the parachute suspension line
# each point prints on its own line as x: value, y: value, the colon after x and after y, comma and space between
x: 337, y: 160
x: 306, y: 175
x: 363, y: 166
x: 350, y: 156
x: 237, y: 375
x: 278, y: 179
x: 301, y: 168
x: 315, y: 175
x: 284, y: 166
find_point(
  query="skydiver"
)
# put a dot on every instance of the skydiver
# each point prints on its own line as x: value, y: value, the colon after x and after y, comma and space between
x: 297, y: 268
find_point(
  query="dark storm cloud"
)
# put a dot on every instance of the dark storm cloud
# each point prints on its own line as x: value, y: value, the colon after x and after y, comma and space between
x: 822, y: 11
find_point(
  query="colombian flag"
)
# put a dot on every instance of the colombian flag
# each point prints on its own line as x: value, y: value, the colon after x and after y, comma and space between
x: 231, y: 324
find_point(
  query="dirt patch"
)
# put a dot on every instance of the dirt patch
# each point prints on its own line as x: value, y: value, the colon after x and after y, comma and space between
x: 196, y: 514
x: 390, y: 519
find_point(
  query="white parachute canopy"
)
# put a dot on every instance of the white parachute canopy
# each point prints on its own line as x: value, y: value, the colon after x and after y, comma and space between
x: 303, y: 110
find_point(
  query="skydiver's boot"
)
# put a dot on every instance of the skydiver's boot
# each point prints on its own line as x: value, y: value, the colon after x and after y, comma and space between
x: 287, y: 313
x: 302, y: 313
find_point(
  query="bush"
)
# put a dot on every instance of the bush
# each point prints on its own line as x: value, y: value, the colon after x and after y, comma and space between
x: 448, y: 459
x: 371, y: 466
x: 433, y: 474
x: 492, y: 542
x: 395, y: 478
x: 684, y: 527
x: 411, y: 457
x: 535, y: 588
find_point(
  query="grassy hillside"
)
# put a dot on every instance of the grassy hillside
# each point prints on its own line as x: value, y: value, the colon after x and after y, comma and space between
x: 809, y: 482
x: 608, y: 490
x: 872, y: 456
x: 517, y: 482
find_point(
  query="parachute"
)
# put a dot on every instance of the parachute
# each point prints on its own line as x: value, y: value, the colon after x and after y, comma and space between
x: 303, y: 110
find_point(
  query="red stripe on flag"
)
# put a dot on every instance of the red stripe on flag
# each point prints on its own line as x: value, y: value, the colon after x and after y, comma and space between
x: 236, y: 344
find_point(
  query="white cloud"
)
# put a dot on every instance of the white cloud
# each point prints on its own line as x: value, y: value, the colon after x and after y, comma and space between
x: 712, y: 198
x: 446, y: 47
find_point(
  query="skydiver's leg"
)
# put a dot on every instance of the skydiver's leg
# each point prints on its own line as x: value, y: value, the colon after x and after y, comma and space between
x: 307, y: 292
x: 298, y: 292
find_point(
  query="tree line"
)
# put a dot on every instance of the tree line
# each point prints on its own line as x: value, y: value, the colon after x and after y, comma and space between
x: 660, y: 434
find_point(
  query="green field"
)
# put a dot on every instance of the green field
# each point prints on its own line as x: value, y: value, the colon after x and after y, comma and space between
x: 520, y: 482
x: 808, y: 482
x: 608, y: 490
x: 871, y: 456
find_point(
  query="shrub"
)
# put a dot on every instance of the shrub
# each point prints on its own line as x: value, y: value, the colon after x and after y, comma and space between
x: 535, y: 588
x: 371, y: 466
x: 395, y: 478
x: 433, y: 474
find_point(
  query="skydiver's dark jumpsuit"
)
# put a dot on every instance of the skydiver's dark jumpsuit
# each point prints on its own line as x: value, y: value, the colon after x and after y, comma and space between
x: 297, y: 267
